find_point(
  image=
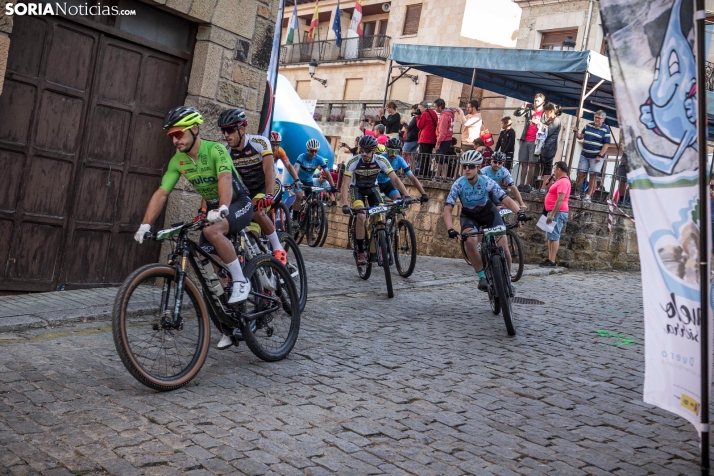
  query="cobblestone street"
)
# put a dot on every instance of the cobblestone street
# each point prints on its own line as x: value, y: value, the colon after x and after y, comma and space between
x: 425, y: 383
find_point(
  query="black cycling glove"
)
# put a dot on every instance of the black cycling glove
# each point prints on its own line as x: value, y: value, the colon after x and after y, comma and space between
x: 522, y: 216
x: 424, y: 197
x: 345, y: 209
x: 453, y: 233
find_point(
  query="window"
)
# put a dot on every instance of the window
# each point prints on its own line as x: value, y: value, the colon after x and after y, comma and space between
x: 400, y: 89
x: 353, y: 89
x: 433, y: 88
x: 382, y: 32
x: 603, y: 48
x: 553, y: 40
x: 411, y: 20
x: 465, y: 91
x: 368, y: 37
x: 303, y: 89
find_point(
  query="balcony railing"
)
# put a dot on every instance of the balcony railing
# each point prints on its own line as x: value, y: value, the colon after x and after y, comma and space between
x: 351, y: 49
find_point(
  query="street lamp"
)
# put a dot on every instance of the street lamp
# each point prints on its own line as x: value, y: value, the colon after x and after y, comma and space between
x: 311, y: 68
x: 568, y: 44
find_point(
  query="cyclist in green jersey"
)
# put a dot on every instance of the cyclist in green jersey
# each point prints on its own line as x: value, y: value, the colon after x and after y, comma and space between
x: 208, y: 167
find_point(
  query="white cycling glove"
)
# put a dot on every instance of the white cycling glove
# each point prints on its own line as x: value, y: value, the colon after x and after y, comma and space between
x: 139, y: 235
x: 214, y: 216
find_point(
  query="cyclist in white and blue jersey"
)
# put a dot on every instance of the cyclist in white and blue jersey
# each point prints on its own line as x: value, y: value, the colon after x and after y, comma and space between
x: 477, y: 194
x: 500, y: 174
x: 305, y: 166
x: 394, y: 147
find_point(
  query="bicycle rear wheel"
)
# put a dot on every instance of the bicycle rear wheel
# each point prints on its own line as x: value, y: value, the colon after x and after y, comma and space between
x: 405, y: 250
x: 283, y: 221
x: 272, y: 310
x: 296, y: 267
x: 383, y: 253
x: 500, y: 283
x: 517, y: 259
x: 154, y: 351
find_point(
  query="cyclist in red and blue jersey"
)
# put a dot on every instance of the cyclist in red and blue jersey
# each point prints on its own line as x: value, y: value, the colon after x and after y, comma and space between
x: 394, y: 148
x: 477, y: 194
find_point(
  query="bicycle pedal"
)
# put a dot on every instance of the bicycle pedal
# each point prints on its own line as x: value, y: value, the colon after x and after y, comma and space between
x: 237, y: 337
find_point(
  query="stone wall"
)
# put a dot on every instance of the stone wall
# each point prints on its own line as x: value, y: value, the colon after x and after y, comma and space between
x: 585, y: 243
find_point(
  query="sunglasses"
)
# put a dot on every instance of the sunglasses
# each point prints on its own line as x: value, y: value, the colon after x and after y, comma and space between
x: 393, y: 151
x: 177, y: 134
x: 366, y: 151
x: 228, y: 130
x: 469, y: 166
x: 498, y: 162
x: 312, y: 151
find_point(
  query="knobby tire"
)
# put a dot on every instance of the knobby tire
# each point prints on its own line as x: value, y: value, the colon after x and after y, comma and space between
x: 500, y: 283
x: 384, y: 251
x: 405, y: 232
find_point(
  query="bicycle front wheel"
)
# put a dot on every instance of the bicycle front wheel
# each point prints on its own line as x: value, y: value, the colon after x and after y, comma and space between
x: 325, y: 226
x: 384, y: 256
x: 350, y: 232
x: 517, y: 259
x: 160, y: 350
x: 463, y: 252
x: 272, y: 311
x: 500, y: 283
x: 315, y: 217
x: 405, y: 252
x: 296, y: 267
x: 283, y: 221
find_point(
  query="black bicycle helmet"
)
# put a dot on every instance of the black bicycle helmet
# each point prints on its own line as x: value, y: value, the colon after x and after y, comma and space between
x: 231, y: 117
x: 394, y: 143
x: 367, y: 142
x: 182, y: 116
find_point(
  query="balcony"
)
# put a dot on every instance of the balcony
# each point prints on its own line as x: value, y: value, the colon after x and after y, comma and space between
x: 351, y: 49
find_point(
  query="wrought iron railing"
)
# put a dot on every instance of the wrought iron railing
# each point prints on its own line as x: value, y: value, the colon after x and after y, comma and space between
x: 709, y: 76
x: 351, y: 49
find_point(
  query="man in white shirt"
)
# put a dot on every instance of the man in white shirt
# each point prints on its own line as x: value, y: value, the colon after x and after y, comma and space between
x: 470, y: 125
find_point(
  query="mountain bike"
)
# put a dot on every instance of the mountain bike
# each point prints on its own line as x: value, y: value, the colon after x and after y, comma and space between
x: 495, y: 266
x: 514, y: 247
x: 312, y: 220
x: 401, y: 234
x: 160, y: 319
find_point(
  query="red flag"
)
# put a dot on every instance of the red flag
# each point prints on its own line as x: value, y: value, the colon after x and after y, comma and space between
x: 356, y: 23
x: 314, y: 23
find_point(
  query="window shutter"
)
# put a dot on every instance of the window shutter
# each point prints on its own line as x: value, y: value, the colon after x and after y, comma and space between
x: 303, y: 89
x: 411, y: 21
x: 353, y: 88
x: 433, y: 88
x: 553, y: 40
x: 400, y: 90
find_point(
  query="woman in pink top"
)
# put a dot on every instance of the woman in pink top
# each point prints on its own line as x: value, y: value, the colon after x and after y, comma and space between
x: 556, y: 207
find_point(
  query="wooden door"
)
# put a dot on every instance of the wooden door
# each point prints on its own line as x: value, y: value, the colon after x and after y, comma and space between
x: 80, y: 148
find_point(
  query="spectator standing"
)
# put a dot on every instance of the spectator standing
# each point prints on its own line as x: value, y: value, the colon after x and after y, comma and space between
x: 378, y: 133
x: 393, y: 121
x: 550, y: 145
x: 411, y: 139
x: 556, y: 209
x: 526, y: 156
x: 426, y: 123
x: 621, y: 176
x: 350, y: 150
x: 507, y: 141
x: 470, y: 124
x: 480, y: 146
x: 444, y: 134
x: 596, y: 139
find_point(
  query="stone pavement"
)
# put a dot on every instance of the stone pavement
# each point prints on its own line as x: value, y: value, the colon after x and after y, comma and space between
x: 425, y: 383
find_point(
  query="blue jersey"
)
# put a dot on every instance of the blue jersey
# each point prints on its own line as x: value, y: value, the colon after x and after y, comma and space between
x: 476, y: 195
x: 397, y: 164
x: 308, y: 166
x: 502, y: 174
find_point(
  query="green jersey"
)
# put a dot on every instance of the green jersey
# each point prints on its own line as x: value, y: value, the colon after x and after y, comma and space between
x: 213, y: 159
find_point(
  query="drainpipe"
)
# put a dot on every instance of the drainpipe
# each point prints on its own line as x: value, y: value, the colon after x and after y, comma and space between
x: 583, y: 47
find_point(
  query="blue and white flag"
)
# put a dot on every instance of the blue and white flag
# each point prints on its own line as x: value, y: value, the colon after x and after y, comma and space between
x: 654, y: 80
x: 266, y: 115
x: 337, y: 26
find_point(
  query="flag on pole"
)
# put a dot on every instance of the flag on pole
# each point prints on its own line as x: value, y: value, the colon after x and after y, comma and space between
x: 337, y: 26
x: 292, y: 26
x: 654, y: 79
x: 266, y: 113
x: 356, y: 24
x: 313, y: 24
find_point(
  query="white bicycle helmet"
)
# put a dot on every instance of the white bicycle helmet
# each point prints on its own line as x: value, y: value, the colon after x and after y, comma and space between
x: 313, y: 144
x: 275, y: 137
x: 472, y: 157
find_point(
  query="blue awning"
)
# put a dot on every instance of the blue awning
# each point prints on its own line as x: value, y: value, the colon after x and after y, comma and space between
x: 519, y: 73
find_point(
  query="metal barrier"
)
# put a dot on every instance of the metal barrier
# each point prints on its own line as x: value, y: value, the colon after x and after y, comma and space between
x: 447, y: 168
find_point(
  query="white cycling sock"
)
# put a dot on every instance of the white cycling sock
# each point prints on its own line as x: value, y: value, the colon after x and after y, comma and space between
x: 275, y: 241
x: 236, y: 270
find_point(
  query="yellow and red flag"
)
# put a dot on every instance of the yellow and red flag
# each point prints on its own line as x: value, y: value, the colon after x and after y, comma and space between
x: 356, y: 23
x: 313, y: 24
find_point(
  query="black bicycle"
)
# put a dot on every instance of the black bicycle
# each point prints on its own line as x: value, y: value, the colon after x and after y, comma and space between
x: 495, y: 266
x: 514, y: 247
x: 312, y: 219
x: 160, y: 319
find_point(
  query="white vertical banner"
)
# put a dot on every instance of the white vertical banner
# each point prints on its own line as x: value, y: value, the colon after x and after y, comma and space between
x: 654, y: 80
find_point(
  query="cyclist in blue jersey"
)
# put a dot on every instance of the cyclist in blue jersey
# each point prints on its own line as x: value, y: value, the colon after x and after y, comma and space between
x: 394, y: 147
x: 500, y: 174
x: 305, y: 166
x: 477, y: 193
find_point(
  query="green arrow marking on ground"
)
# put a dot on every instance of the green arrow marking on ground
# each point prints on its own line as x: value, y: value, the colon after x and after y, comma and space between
x: 622, y: 338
